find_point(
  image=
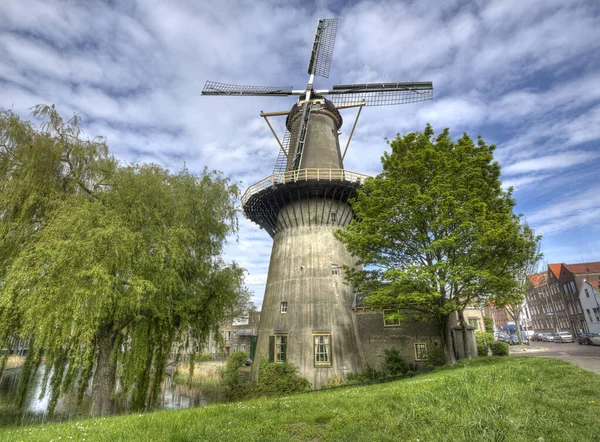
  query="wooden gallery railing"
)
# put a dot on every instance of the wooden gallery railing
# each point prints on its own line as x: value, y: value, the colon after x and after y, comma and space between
x: 292, y: 176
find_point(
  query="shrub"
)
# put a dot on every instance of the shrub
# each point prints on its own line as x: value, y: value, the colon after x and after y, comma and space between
x: 499, y: 348
x: 436, y: 354
x: 332, y: 382
x: 484, y: 339
x: 279, y: 378
x: 394, y: 365
x: 370, y: 374
x: 235, y: 382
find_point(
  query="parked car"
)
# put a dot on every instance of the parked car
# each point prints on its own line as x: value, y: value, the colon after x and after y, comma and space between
x: 503, y: 337
x: 537, y: 337
x: 547, y: 337
x: 586, y: 338
x: 514, y: 340
x: 563, y: 337
x: 595, y: 340
x: 248, y: 362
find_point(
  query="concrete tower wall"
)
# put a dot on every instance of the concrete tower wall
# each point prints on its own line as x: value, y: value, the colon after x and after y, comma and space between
x: 323, y: 134
x: 305, y: 272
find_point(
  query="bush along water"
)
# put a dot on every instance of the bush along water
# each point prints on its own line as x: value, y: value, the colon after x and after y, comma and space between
x: 279, y: 378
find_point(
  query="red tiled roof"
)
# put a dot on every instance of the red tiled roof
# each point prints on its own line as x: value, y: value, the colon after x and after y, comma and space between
x: 536, y: 279
x: 583, y: 268
x: 555, y: 268
x: 596, y: 284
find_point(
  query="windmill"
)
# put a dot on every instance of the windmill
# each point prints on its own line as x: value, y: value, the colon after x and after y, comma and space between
x: 307, y: 316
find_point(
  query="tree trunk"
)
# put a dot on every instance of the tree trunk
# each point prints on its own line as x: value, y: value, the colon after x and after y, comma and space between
x: 106, y: 372
x: 465, y: 335
x: 518, y: 326
x: 446, y: 329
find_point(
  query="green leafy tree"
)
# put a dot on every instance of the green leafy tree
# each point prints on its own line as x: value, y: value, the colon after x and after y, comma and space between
x: 116, y: 265
x: 512, y: 301
x: 435, y: 230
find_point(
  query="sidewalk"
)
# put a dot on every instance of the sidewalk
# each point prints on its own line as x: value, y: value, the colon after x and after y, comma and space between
x: 514, y: 349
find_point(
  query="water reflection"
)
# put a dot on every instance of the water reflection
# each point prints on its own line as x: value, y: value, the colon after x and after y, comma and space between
x: 173, y: 396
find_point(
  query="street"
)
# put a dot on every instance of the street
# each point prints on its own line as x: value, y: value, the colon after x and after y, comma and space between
x: 584, y: 356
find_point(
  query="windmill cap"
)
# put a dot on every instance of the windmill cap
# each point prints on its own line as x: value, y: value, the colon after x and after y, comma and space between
x: 327, y: 107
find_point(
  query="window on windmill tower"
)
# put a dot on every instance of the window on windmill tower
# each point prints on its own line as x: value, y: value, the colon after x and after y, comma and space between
x: 421, y: 352
x: 283, y: 307
x: 391, y: 318
x: 280, y: 350
x: 335, y: 269
x: 333, y: 217
x: 322, y: 350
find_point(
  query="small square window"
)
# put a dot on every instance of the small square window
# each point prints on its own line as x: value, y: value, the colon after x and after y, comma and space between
x: 390, y: 318
x: 421, y: 352
x: 333, y: 217
x: 335, y: 269
x: 283, y: 307
x: 322, y: 350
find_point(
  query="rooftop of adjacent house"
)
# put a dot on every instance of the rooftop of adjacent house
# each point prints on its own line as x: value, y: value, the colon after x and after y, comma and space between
x: 595, y: 284
x: 584, y: 268
x: 555, y: 268
x: 536, y: 279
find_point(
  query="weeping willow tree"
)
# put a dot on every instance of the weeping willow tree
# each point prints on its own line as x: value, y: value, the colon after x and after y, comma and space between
x: 107, y: 268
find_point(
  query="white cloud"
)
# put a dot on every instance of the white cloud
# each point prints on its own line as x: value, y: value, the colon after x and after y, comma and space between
x: 523, y: 74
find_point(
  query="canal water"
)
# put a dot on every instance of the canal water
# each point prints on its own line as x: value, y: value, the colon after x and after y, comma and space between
x: 173, y: 396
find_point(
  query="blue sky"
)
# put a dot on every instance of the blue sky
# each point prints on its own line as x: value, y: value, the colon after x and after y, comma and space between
x: 523, y: 74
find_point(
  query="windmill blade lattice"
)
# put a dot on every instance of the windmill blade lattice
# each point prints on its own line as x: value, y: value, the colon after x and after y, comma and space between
x: 282, y: 162
x: 214, y: 88
x: 322, y: 52
x: 380, y: 94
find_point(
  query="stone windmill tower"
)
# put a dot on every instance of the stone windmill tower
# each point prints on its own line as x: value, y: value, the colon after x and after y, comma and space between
x: 307, y: 316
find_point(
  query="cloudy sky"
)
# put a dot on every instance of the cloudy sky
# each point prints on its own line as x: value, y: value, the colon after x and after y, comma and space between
x: 523, y: 74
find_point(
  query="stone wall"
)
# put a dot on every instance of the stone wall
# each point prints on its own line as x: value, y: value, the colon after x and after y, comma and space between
x: 375, y: 336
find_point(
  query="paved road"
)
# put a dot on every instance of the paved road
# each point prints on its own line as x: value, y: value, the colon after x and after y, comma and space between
x: 584, y: 356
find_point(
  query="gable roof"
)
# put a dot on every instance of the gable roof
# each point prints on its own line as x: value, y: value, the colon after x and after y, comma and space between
x: 555, y: 268
x: 584, y: 268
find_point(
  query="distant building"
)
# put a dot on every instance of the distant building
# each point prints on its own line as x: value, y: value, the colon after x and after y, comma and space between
x: 554, y: 297
x: 589, y: 297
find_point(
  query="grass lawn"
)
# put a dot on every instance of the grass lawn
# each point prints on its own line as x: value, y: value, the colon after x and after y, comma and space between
x: 487, y: 399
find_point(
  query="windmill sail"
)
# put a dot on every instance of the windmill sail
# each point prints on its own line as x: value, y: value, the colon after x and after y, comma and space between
x: 380, y: 94
x: 322, y: 51
x: 214, y: 88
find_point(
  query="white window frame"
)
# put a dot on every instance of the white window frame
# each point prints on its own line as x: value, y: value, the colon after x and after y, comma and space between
x: 281, y: 341
x: 322, y: 349
x: 283, y: 307
x: 421, y: 353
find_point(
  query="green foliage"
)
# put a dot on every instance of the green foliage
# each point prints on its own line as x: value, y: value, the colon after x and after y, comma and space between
x: 488, y: 324
x: 277, y: 378
x: 369, y: 375
x: 499, y: 348
x: 484, y: 339
x: 235, y: 382
x: 435, y: 230
x: 436, y: 354
x: 108, y: 265
x: 394, y: 365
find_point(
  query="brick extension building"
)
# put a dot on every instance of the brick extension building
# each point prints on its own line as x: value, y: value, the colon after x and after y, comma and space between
x: 553, y: 297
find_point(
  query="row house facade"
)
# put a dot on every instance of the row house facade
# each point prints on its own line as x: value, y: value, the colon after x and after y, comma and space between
x: 589, y: 296
x: 553, y: 297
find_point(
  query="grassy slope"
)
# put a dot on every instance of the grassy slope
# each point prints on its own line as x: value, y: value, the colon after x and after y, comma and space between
x: 488, y: 399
